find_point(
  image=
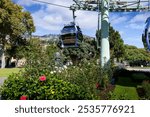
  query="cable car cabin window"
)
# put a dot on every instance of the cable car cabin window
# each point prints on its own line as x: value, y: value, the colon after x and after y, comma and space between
x: 68, y: 29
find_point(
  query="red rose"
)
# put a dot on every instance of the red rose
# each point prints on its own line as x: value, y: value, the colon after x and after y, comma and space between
x: 97, y: 85
x: 23, y: 97
x: 42, y: 78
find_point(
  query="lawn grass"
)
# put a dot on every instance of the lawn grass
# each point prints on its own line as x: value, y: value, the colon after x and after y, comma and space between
x: 7, y: 71
x: 125, y: 89
x: 125, y: 93
x: 128, y: 84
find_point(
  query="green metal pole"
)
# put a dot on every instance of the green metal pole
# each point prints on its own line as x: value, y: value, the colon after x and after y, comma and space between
x: 105, y: 52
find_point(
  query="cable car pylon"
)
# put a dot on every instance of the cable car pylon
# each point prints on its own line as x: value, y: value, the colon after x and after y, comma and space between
x: 105, y: 47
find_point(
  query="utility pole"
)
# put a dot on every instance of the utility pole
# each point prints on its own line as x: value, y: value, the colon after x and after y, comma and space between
x: 105, y: 52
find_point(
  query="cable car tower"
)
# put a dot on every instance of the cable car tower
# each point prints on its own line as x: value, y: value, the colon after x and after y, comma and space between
x: 103, y: 7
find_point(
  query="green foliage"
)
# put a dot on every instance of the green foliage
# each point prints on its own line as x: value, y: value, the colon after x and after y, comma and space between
x: 15, y: 24
x: 116, y: 44
x: 146, y: 87
x: 39, y: 59
x: 85, y: 51
x: 105, y: 78
x: 136, y: 56
x: 17, y: 85
x: 86, y: 76
x: 139, y: 77
x: 14, y: 21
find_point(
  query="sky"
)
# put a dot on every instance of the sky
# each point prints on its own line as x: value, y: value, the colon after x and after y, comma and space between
x: 50, y: 19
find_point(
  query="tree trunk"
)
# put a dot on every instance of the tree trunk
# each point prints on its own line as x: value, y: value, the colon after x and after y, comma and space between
x: 16, y: 63
x: 3, y: 63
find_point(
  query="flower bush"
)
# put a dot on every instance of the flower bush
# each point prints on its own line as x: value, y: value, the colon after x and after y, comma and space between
x: 86, y: 76
x: 18, y: 87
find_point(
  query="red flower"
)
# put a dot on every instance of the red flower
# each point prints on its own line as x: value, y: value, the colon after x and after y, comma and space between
x: 24, y: 97
x: 42, y: 78
x: 97, y: 85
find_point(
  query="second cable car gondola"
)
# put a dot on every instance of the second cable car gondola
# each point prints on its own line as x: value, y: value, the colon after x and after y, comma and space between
x: 71, y: 35
x: 146, y: 35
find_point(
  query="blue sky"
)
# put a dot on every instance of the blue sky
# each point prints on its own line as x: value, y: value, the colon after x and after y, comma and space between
x: 50, y: 20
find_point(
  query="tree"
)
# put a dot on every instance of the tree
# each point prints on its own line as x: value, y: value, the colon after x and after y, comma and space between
x: 136, y: 56
x: 86, y: 50
x: 15, y: 26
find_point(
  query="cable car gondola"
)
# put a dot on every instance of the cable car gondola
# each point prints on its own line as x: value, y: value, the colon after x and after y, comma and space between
x: 70, y: 36
x: 146, y: 35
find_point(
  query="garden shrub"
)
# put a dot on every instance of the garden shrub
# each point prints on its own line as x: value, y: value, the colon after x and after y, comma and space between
x: 47, y: 88
x: 26, y: 84
x: 39, y: 59
x: 107, y: 93
x: 140, y: 91
x: 139, y: 76
x: 146, y: 87
x: 86, y: 75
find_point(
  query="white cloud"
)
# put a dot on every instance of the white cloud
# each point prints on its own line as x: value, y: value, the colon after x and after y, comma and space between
x: 138, y: 21
x: 140, y: 18
x: 25, y: 2
x: 117, y: 19
x: 43, y: 20
x: 135, y: 26
x: 87, y: 19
